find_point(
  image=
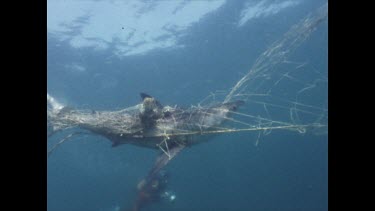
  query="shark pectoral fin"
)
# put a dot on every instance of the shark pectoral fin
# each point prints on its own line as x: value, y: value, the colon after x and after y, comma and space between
x: 115, y: 144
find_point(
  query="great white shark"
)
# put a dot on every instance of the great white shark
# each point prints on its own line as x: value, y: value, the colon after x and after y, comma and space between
x: 148, y: 124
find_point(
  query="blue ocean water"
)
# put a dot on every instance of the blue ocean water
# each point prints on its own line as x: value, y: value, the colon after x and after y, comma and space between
x: 286, y: 171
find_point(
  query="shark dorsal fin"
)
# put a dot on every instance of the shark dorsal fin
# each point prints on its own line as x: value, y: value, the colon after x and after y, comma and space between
x: 145, y: 96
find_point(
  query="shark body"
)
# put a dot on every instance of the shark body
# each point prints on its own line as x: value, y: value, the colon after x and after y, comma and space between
x: 149, y: 123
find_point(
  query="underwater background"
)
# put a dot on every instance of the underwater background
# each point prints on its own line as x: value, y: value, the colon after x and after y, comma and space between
x: 102, y: 54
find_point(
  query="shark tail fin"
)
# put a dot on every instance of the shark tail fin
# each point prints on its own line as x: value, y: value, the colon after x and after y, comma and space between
x: 53, y: 104
x: 54, y: 110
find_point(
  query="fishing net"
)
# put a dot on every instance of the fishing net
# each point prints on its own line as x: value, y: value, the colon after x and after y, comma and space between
x: 279, y: 94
